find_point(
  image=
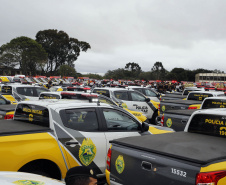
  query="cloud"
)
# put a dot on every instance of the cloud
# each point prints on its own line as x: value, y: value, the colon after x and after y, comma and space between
x: 188, y: 34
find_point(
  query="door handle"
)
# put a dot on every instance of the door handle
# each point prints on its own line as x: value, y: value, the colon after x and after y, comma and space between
x: 184, y: 121
x: 69, y: 143
x: 146, y: 165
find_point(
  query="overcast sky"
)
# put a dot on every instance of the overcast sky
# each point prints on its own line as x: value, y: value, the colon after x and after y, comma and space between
x: 190, y: 34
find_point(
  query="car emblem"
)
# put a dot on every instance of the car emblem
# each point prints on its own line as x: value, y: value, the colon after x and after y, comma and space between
x: 169, y: 122
x: 87, y: 151
x: 120, y: 164
x: 28, y: 182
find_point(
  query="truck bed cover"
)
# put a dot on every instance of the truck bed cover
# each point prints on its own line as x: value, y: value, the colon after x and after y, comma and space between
x: 8, y: 107
x: 191, y: 147
x: 12, y: 127
x: 186, y: 112
x: 185, y: 102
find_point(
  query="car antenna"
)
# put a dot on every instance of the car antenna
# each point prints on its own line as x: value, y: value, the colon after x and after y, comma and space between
x: 98, y: 102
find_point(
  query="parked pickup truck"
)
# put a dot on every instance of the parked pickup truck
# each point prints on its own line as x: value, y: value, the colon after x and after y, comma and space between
x: 177, y: 119
x: 193, y: 101
x: 48, y: 137
x: 196, y: 156
x: 180, y: 95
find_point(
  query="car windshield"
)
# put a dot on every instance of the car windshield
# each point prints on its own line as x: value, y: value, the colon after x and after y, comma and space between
x: 149, y: 92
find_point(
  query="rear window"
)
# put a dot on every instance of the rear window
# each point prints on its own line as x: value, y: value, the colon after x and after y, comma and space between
x: 187, y: 91
x: 122, y: 95
x: 102, y: 91
x: 80, y: 119
x: 199, y: 96
x: 31, y: 91
x: 33, y: 114
x: 214, y: 103
x: 214, y: 125
x: 7, y: 89
x: 49, y: 96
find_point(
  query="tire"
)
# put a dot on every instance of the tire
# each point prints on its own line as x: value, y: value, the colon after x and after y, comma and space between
x: 154, y: 117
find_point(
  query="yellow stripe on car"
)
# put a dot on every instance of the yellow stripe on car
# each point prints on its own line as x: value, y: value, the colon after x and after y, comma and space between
x: 60, y: 89
x: 216, y: 167
x: 196, y: 105
x: 27, y: 151
x: 10, y: 98
x: 154, y: 130
x: 9, y: 113
x: 4, y: 79
x: 137, y: 114
x: 155, y: 103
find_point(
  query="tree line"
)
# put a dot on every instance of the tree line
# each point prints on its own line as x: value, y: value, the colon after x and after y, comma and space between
x: 53, y: 52
x: 133, y: 71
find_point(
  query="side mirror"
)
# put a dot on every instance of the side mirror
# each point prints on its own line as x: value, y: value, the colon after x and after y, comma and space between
x: 147, y: 99
x: 144, y: 127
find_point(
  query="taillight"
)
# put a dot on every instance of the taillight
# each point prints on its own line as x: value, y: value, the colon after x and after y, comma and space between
x: 192, y: 107
x: 162, y: 120
x: 159, y: 107
x: 9, y: 116
x: 109, y: 159
x: 209, y: 178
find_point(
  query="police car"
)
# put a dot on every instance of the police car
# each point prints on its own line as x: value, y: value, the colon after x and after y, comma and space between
x: 23, y: 92
x: 132, y: 100
x: 21, y: 178
x: 83, y: 130
x: 148, y: 92
x: 91, y: 97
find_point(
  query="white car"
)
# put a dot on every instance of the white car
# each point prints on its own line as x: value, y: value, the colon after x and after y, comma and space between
x: 19, y: 178
x: 23, y: 92
x: 132, y: 100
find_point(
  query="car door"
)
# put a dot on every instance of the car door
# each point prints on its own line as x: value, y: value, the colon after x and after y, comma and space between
x: 136, y: 101
x: 79, y: 132
x: 119, y: 124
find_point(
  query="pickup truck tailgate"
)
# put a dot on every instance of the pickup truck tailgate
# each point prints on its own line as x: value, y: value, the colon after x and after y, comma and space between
x: 176, y: 104
x: 167, y: 159
x: 177, y: 119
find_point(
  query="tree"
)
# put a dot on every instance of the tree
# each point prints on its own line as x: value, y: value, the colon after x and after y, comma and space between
x: 61, y: 48
x: 66, y: 70
x: 116, y: 74
x: 133, y: 67
x: 159, y: 71
x: 25, y: 53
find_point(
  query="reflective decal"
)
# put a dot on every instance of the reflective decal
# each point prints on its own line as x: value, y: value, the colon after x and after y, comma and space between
x: 124, y: 105
x: 87, y: 151
x: 169, y: 122
x: 28, y: 182
x: 141, y: 108
x: 163, y: 108
x: 31, y: 117
x: 120, y: 164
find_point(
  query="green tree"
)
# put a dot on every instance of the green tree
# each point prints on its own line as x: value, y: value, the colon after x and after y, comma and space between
x: 24, y: 52
x: 116, y: 74
x: 66, y: 70
x: 158, y: 71
x: 94, y: 76
x: 61, y: 48
x: 133, y: 67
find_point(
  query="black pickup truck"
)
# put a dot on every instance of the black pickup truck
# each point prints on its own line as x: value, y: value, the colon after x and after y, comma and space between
x: 177, y: 119
x: 179, y: 95
x: 193, y: 101
x: 196, y: 156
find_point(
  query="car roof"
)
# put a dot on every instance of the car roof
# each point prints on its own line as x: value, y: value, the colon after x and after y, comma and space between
x: 113, y: 89
x: 217, y: 111
x: 207, y: 92
x: 64, y: 103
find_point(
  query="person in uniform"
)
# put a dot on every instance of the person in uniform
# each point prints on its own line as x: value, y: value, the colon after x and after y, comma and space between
x: 81, y: 175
